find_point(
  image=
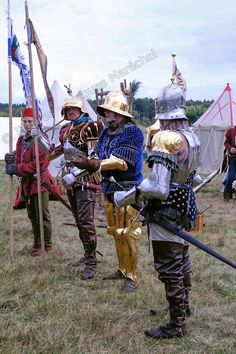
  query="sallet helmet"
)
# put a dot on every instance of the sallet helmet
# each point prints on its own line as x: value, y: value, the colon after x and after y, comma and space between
x: 171, y: 103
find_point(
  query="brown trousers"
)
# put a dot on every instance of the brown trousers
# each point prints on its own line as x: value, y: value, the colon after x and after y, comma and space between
x: 83, y: 203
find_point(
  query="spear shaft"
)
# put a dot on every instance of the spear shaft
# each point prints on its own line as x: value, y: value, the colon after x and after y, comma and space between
x: 36, y: 137
x: 11, y: 236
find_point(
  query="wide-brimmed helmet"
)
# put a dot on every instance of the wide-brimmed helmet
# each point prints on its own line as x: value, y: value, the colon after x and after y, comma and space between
x: 115, y: 101
x: 171, y: 103
x: 72, y: 101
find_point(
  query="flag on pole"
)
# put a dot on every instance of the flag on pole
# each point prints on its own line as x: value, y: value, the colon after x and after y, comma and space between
x: 43, y: 65
x: 178, y: 75
x: 17, y: 57
x: 15, y: 54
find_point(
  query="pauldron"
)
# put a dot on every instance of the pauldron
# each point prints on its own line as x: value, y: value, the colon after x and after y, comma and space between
x: 167, y: 141
x: 73, y: 136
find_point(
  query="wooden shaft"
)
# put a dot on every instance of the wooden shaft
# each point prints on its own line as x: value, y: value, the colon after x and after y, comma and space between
x: 11, y: 235
x: 36, y: 137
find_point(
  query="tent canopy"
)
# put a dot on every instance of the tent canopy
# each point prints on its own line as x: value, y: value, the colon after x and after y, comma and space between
x: 211, y: 128
x: 59, y: 95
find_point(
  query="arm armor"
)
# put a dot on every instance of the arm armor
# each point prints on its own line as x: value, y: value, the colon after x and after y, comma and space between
x: 155, y: 186
x: 157, y: 183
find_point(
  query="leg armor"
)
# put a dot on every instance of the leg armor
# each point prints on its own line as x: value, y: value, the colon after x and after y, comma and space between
x: 125, y: 228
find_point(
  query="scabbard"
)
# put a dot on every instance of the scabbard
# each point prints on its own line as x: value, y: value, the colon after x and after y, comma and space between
x: 56, y: 195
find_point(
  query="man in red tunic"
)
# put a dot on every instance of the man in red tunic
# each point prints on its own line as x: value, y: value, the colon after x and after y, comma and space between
x: 23, y: 164
x: 230, y: 144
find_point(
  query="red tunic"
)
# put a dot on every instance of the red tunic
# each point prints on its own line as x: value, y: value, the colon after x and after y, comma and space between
x: 26, y: 165
x: 230, y: 137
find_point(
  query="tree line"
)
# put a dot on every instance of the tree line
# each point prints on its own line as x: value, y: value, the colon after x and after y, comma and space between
x: 143, y: 109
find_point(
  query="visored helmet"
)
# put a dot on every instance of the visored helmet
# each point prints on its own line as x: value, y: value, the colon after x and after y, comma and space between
x: 171, y: 103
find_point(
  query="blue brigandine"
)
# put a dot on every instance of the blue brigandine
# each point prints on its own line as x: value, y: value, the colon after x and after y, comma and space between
x: 127, y: 145
x: 130, y: 145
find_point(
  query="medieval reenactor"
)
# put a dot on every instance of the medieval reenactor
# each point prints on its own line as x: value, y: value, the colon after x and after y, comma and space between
x: 169, y: 197
x: 230, y: 145
x: 76, y: 140
x: 23, y: 164
x: 118, y: 154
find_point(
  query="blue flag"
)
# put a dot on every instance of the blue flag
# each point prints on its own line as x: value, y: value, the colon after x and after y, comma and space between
x: 17, y: 57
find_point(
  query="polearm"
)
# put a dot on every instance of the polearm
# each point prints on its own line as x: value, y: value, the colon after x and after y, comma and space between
x: 36, y: 137
x: 55, y: 194
x: 54, y: 125
x: 206, y: 180
x: 11, y: 238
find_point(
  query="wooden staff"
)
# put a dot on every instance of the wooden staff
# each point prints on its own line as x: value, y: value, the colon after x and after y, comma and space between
x: 36, y: 137
x: 11, y: 238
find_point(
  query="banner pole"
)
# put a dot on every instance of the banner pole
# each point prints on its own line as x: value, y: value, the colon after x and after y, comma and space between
x: 36, y: 137
x: 11, y: 236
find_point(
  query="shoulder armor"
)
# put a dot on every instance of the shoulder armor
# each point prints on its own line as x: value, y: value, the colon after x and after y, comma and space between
x: 167, y: 141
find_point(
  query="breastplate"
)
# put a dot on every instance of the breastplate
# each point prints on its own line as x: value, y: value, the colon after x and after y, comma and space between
x: 70, y: 152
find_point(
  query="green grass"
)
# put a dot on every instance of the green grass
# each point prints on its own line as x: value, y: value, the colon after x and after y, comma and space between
x: 46, y: 308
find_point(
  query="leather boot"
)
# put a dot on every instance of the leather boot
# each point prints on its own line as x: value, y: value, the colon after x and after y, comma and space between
x: 78, y: 263
x: 117, y: 274
x: 168, y: 261
x: 187, y: 278
x: 187, y: 284
x: 176, y: 327
x: 90, y: 266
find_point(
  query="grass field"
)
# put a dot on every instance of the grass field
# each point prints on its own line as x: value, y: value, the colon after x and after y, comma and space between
x: 46, y: 308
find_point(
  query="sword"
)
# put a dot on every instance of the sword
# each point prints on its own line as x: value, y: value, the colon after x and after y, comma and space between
x: 55, y: 194
x: 184, y: 235
x: 187, y: 237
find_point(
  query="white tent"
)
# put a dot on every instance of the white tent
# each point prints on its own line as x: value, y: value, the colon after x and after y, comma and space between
x: 211, y: 128
x: 87, y: 106
x: 59, y: 95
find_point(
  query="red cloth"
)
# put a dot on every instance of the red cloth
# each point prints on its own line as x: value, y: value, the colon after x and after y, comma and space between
x: 26, y: 165
x: 230, y: 139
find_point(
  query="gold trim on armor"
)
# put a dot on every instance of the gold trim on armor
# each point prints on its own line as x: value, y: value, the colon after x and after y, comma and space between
x: 114, y: 163
x: 167, y: 141
x: 124, y: 226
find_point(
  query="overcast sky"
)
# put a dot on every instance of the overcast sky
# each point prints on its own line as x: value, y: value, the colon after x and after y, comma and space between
x: 88, y: 42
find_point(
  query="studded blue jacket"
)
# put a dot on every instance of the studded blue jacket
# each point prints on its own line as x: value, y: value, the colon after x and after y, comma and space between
x: 126, y: 142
